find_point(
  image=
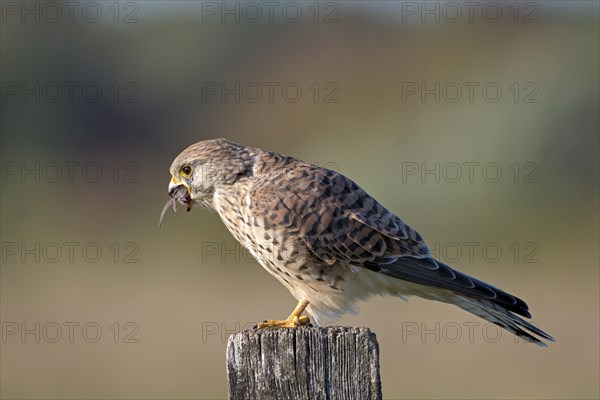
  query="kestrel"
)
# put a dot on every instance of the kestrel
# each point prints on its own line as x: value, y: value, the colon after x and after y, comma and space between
x: 325, y: 239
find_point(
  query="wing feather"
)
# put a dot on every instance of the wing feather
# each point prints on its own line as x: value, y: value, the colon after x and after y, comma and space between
x: 340, y: 222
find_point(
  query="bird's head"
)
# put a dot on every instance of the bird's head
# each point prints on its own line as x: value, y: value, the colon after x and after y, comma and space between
x: 204, y: 167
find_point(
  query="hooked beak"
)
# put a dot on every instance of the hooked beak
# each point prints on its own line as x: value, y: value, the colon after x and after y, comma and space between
x: 176, y: 195
x: 175, y: 183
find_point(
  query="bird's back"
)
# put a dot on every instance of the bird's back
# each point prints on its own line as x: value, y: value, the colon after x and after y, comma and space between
x: 321, y: 234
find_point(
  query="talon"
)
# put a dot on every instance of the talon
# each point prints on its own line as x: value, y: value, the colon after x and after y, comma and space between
x: 295, y: 319
x: 273, y: 323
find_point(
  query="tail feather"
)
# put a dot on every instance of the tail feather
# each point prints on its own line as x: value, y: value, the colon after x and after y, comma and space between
x: 500, y: 316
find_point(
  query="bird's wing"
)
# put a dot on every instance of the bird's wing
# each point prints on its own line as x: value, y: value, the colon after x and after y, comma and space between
x: 340, y: 222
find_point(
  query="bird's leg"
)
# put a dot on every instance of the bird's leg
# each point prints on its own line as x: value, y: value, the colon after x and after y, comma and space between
x: 295, y: 319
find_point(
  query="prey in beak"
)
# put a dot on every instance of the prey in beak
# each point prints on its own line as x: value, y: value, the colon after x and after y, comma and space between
x: 179, y: 192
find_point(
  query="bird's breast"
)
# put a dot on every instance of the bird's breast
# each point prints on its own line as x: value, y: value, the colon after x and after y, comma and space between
x: 282, y: 252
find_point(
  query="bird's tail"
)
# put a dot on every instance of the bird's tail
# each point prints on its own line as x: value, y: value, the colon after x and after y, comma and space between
x: 498, y: 315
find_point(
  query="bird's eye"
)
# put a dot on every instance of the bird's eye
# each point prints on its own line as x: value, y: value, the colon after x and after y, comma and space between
x: 186, y: 170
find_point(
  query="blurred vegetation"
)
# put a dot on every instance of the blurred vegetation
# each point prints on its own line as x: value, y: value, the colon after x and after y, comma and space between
x: 370, y: 134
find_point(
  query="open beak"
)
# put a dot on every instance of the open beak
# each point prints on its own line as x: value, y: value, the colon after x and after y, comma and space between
x: 179, y: 192
x: 175, y: 183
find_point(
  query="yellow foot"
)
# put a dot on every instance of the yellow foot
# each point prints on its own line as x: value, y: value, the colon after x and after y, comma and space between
x: 295, y: 319
x: 286, y: 323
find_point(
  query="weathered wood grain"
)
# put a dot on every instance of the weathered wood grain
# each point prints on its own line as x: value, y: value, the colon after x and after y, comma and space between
x: 304, y: 363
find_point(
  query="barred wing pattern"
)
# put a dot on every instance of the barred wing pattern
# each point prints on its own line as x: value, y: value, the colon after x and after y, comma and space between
x: 339, y: 222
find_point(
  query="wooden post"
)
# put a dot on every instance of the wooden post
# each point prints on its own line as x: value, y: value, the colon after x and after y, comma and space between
x: 303, y: 363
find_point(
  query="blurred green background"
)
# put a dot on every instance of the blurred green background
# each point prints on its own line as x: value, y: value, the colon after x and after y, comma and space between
x: 88, y: 171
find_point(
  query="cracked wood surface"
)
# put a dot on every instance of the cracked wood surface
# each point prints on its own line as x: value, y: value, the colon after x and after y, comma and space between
x: 304, y: 363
